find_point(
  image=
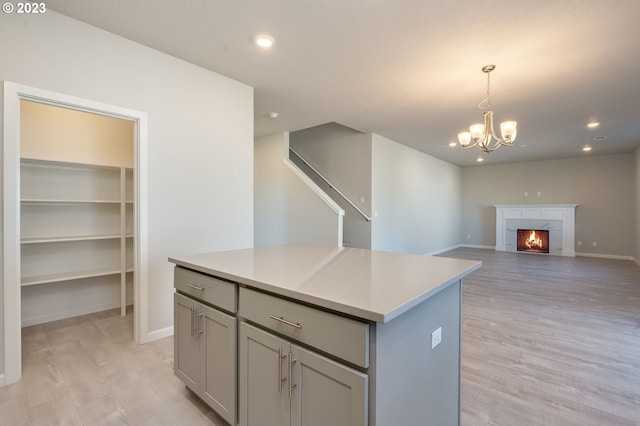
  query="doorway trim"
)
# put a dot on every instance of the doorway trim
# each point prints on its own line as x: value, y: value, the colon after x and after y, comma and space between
x: 13, y: 94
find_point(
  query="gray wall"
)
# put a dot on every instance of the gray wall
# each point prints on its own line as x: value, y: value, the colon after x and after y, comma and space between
x: 416, y: 200
x: 286, y: 211
x: 356, y: 229
x: 343, y: 156
x: 200, y: 132
x: 603, y: 186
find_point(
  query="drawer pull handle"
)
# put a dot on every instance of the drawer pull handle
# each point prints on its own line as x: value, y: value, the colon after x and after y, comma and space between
x: 281, y: 319
x: 195, y: 287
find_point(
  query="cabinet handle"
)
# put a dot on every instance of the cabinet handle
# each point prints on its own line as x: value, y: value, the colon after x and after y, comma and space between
x: 291, y: 384
x: 198, y: 331
x: 282, y: 379
x: 195, y: 287
x: 193, y: 325
x: 281, y: 319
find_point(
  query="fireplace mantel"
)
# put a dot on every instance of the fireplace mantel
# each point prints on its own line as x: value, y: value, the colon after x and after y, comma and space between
x: 559, y: 218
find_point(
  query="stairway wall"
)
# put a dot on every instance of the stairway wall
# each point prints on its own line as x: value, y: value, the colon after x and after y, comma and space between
x: 343, y: 156
x: 416, y: 200
x: 286, y: 211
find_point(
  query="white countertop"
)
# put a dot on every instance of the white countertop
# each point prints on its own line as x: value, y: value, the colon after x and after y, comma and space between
x: 373, y: 285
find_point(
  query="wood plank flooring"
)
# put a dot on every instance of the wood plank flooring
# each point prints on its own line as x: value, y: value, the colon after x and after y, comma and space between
x: 88, y: 371
x: 546, y: 341
x: 550, y: 340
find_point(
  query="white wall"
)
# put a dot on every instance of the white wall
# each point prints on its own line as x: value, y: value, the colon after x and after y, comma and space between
x: 415, y: 200
x: 200, y: 133
x: 286, y: 210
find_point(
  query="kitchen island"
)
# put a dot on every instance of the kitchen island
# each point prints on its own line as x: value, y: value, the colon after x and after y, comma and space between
x: 317, y: 335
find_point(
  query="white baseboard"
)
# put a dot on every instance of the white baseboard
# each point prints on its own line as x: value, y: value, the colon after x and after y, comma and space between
x: 433, y: 253
x: 605, y: 256
x: 158, y: 334
x: 444, y: 250
x: 477, y: 246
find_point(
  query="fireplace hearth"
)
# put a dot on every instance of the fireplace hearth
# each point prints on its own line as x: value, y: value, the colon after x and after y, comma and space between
x: 533, y: 240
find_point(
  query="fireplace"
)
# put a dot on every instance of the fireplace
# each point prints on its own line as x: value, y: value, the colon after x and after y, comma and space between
x: 533, y: 240
x: 558, y: 219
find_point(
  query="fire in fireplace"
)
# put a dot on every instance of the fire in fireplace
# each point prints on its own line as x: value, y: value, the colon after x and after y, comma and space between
x: 533, y: 240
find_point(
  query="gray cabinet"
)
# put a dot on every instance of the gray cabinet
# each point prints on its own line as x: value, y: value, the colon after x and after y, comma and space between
x: 205, y: 353
x: 269, y: 359
x: 187, y: 349
x: 264, y: 385
x: 282, y: 383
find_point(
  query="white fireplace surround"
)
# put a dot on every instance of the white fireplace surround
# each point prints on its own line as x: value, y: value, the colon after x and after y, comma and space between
x: 558, y: 219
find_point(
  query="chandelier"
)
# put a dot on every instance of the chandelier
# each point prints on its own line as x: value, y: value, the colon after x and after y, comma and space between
x: 482, y: 134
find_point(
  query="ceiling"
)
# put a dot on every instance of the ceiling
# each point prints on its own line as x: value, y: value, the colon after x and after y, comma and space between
x: 410, y: 70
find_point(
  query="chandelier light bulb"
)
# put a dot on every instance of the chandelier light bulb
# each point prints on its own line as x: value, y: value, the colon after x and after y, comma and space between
x: 464, y: 138
x: 476, y: 130
x: 508, y: 130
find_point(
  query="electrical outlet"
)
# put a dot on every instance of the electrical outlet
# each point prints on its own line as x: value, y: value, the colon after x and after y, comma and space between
x: 539, y: 193
x: 436, y: 337
x: 526, y: 193
x: 468, y: 236
x: 579, y: 243
x: 595, y: 244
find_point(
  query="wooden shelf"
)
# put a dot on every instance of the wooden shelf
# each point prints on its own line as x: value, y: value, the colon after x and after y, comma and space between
x: 69, y: 164
x: 70, y: 276
x: 65, y: 202
x: 70, y: 238
x: 76, y: 219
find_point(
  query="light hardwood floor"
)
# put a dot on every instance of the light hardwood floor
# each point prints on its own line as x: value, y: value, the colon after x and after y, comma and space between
x: 87, y: 371
x: 550, y: 340
x: 546, y: 341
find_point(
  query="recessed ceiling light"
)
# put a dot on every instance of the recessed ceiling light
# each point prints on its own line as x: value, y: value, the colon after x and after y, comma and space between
x: 593, y: 125
x: 586, y: 148
x: 479, y: 159
x: 600, y: 138
x: 273, y: 115
x: 453, y: 144
x: 264, y: 40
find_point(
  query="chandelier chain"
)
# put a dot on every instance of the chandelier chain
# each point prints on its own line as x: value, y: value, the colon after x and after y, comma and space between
x: 488, y: 104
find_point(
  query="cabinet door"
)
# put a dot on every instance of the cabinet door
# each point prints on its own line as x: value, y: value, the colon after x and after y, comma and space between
x: 187, y: 352
x: 218, y: 339
x: 326, y: 392
x: 264, y: 384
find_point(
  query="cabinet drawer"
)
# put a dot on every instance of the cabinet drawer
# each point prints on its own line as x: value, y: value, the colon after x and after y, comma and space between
x: 206, y: 288
x: 342, y: 337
